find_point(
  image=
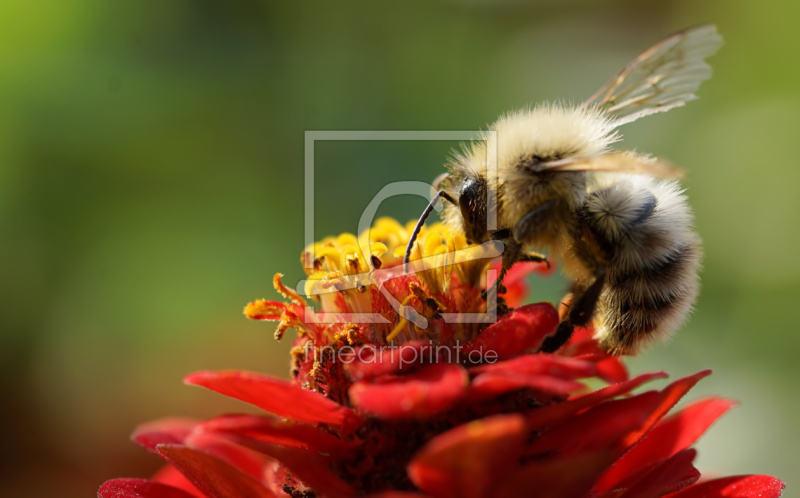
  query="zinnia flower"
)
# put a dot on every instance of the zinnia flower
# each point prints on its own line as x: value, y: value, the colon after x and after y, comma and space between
x: 392, y: 395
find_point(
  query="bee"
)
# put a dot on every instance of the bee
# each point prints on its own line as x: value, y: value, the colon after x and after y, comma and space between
x: 618, y: 220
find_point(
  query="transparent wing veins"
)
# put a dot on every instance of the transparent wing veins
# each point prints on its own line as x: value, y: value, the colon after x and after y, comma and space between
x: 664, y: 77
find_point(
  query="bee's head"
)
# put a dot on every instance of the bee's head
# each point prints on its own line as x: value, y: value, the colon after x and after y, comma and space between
x: 472, y: 202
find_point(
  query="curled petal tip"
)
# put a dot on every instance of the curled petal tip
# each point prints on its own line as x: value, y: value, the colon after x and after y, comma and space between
x: 262, y: 309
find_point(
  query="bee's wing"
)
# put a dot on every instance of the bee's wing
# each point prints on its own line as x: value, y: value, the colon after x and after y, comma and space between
x: 665, y: 76
x: 616, y: 162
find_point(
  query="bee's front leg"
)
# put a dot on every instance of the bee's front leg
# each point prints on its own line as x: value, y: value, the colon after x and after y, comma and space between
x: 512, y: 252
x: 516, y: 238
x: 534, y: 257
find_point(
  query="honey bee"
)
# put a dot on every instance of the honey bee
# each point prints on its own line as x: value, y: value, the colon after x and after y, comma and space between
x: 618, y: 221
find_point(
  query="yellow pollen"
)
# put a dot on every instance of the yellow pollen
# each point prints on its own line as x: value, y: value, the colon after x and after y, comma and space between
x: 261, y: 309
x: 330, y: 256
x: 287, y: 292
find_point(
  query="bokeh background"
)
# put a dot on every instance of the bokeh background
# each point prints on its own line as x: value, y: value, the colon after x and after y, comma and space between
x: 151, y: 183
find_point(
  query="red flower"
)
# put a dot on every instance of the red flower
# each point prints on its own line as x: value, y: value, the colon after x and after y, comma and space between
x: 393, y: 408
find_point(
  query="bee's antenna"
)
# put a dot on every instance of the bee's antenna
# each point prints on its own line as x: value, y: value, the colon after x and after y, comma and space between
x: 418, y: 227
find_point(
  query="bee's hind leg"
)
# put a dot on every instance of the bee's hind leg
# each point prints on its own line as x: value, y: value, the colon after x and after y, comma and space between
x: 580, y: 314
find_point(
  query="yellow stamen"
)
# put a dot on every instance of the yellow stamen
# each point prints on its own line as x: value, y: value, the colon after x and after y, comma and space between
x: 350, y: 260
x: 347, y: 239
x: 331, y: 255
x: 401, y: 325
x: 283, y: 326
x: 287, y: 292
x: 319, y: 282
x: 378, y: 248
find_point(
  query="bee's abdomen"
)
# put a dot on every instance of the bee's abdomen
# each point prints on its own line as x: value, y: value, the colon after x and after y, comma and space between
x: 651, y: 256
x: 638, y: 306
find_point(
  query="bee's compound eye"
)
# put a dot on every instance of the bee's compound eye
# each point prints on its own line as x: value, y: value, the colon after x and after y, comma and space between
x: 469, y: 191
x: 472, y: 201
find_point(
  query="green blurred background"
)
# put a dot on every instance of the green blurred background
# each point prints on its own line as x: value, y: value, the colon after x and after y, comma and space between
x: 151, y: 181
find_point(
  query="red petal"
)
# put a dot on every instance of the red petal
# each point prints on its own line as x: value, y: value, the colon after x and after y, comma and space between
x: 515, y: 280
x: 276, y: 396
x: 312, y: 469
x: 734, y: 487
x: 173, y: 430
x: 370, y: 362
x: 423, y: 393
x: 604, y: 426
x: 469, y: 460
x: 570, y: 476
x: 397, y: 494
x: 549, y: 415
x: 521, y: 330
x: 139, y: 488
x: 171, y: 476
x: 580, y: 343
x: 267, y: 430
x: 541, y: 364
x: 612, y: 370
x: 669, y: 397
x: 670, y: 475
x: 211, y: 475
x: 515, y: 293
x: 667, y: 438
x: 246, y: 460
x: 493, y: 384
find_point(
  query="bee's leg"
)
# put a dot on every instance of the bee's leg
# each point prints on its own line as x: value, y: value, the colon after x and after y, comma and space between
x: 511, y: 254
x: 515, y: 239
x: 534, y: 257
x: 579, y: 315
x: 490, y: 296
x: 502, y: 234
